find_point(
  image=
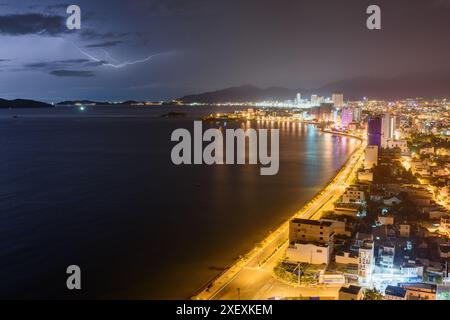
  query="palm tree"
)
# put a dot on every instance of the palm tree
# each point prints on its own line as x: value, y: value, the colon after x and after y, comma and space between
x: 372, y: 294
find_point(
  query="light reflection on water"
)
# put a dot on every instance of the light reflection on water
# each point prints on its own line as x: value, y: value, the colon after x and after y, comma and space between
x: 99, y: 190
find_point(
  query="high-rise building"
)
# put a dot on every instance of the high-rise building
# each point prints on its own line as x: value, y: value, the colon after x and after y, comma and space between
x: 374, y: 131
x: 335, y: 115
x: 338, y: 99
x: 388, y: 129
x: 371, y: 157
x: 320, y: 100
x: 366, y: 262
x: 310, y: 230
x: 347, y: 117
x: 324, y: 112
x: 298, y: 99
x: 314, y: 100
x: 357, y: 114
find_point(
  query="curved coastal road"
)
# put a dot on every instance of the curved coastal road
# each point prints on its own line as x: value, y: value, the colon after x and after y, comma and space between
x: 250, y: 281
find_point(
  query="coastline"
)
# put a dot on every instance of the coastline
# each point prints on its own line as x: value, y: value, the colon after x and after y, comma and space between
x: 273, y: 242
x: 82, y: 133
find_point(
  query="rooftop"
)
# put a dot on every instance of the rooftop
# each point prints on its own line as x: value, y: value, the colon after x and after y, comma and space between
x: 419, y: 286
x: 312, y: 222
x: 395, y: 291
x: 361, y: 236
x: 314, y: 243
x: 351, y: 290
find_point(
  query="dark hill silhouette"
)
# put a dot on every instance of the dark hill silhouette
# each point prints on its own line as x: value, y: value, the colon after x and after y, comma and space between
x: 99, y: 103
x: 241, y: 94
x: 23, y: 103
x: 419, y: 84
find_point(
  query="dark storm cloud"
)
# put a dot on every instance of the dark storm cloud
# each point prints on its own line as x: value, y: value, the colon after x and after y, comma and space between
x: 65, y: 68
x: 72, y: 73
x: 50, y: 7
x: 58, y: 6
x: 95, y: 63
x: 32, y: 23
x: 91, y: 34
x: 37, y: 65
x: 61, y: 9
x: 58, y: 64
x: 105, y: 44
x: 73, y: 61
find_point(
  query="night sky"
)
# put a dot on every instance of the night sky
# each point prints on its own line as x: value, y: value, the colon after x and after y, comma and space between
x: 189, y: 46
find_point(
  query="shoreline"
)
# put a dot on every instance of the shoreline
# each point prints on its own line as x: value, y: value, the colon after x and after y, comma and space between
x: 280, y: 234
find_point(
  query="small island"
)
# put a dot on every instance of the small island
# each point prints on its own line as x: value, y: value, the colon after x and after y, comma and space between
x: 23, y: 103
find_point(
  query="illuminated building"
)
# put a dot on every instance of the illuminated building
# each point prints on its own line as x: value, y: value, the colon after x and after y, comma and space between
x: 347, y: 117
x: 365, y: 176
x: 401, y: 144
x: 388, y: 129
x: 311, y: 230
x: 307, y: 252
x: 326, y: 112
x: 353, y: 195
x: 322, y: 113
x: 374, y: 131
x: 314, y: 100
x: 298, y: 99
x: 371, y: 157
x: 366, y: 261
x: 445, y: 224
x: 386, y: 255
x: 338, y: 99
x: 357, y: 114
x: 336, y: 118
x: 419, y: 291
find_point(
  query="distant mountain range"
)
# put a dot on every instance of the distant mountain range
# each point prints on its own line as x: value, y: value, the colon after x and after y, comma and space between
x: 22, y: 103
x: 242, y: 94
x: 420, y: 84
x: 426, y: 85
x: 101, y: 103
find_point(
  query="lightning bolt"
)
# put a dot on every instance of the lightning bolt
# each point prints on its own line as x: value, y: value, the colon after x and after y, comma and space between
x: 120, y: 65
x: 108, y: 56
